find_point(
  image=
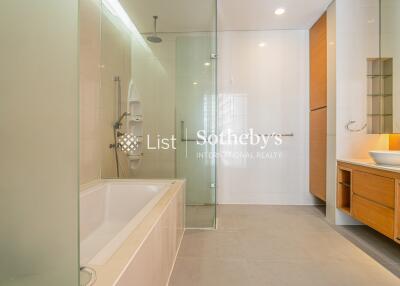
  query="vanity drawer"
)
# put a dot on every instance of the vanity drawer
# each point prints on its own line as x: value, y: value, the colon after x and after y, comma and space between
x: 375, y: 188
x: 379, y: 217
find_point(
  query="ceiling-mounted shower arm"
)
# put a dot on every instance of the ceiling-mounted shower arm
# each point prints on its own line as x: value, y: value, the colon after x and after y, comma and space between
x: 154, y: 38
x: 155, y: 25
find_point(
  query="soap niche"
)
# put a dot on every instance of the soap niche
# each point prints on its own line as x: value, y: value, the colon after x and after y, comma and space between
x: 380, y: 95
x: 343, y: 196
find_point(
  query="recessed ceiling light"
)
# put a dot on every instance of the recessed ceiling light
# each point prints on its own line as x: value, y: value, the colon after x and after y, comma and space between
x: 195, y: 83
x: 280, y: 11
x: 262, y: 44
x: 207, y: 64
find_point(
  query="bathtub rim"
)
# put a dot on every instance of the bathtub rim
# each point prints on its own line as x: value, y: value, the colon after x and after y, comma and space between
x: 110, y: 273
x: 107, y: 251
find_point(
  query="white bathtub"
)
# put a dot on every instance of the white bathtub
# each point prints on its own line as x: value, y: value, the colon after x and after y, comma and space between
x: 110, y: 211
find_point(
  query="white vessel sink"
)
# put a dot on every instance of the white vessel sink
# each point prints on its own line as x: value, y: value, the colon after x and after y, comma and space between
x: 389, y: 158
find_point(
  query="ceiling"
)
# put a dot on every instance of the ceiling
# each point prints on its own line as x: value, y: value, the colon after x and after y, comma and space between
x: 196, y: 15
x: 174, y: 15
x: 259, y: 14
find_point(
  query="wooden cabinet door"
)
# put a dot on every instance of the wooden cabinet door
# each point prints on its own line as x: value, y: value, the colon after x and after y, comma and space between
x: 397, y: 213
x: 318, y: 64
x: 374, y: 188
x: 375, y: 215
x: 318, y: 138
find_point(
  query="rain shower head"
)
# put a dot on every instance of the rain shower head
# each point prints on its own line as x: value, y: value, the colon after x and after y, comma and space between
x: 154, y: 38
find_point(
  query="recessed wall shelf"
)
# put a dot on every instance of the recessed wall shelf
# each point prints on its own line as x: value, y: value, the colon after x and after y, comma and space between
x: 379, y: 95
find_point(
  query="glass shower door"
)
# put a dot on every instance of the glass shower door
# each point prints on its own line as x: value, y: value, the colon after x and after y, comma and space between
x: 196, y: 112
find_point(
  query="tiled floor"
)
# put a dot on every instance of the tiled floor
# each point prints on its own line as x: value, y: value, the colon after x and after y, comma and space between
x: 274, y: 246
x: 376, y: 245
x: 200, y: 216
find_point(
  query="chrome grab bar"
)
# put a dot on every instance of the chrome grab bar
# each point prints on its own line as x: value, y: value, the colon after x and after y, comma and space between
x: 277, y: 134
x: 350, y: 129
x: 183, y: 139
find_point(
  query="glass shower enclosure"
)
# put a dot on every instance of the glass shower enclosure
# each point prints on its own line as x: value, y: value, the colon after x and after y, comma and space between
x: 196, y: 112
x: 169, y: 89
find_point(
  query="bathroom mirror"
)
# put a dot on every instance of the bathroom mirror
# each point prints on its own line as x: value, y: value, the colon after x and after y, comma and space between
x: 384, y: 74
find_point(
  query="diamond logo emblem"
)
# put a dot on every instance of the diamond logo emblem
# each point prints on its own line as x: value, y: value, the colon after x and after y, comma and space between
x: 128, y: 143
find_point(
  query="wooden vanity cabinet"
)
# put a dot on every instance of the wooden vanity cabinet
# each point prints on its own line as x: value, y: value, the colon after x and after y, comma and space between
x: 397, y: 213
x: 371, y: 196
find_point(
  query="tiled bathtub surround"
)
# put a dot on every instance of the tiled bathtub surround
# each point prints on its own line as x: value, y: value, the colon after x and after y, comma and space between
x: 148, y: 254
x: 89, y: 84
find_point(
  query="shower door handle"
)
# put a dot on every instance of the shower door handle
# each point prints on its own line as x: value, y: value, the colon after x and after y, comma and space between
x: 183, y: 139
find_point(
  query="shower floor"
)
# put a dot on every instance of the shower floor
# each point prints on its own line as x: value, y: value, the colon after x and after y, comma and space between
x: 200, y: 216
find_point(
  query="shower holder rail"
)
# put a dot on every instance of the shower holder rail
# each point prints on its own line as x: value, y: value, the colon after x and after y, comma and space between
x: 277, y: 134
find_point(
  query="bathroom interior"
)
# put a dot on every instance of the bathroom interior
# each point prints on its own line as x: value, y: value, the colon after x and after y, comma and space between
x: 128, y: 155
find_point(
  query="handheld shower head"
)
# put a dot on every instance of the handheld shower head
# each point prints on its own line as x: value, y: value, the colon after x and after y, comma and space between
x: 154, y: 38
x: 118, y: 124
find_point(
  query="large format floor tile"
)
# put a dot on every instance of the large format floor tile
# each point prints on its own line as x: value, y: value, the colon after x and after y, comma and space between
x: 275, y: 245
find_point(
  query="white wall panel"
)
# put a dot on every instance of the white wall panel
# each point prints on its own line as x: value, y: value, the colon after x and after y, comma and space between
x: 264, y: 87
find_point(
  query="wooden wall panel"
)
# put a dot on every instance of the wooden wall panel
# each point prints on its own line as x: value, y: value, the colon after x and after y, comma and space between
x: 318, y: 107
x: 318, y: 138
x: 318, y: 64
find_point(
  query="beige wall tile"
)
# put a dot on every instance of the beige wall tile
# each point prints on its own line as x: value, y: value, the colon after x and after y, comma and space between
x: 90, y: 153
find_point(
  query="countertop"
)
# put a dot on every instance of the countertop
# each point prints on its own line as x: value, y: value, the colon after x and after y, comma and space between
x: 371, y: 164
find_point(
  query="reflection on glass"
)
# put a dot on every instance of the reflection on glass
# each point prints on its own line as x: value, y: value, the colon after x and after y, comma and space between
x: 166, y: 76
x: 390, y: 73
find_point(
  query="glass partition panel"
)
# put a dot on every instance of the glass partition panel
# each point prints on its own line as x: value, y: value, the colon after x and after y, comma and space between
x: 158, y: 78
x: 39, y: 146
x: 196, y: 112
x: 387, y: 100
x: 196, y: 116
